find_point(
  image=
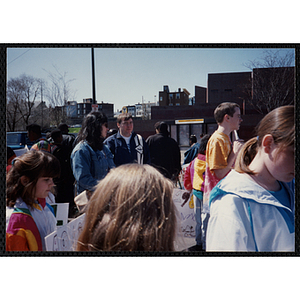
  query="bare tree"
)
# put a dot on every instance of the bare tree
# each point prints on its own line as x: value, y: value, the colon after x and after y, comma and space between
x: 273, y: 81
x: 41, y: 112
x: 22, y: 92
x: 58, y: 94
x: 14, y: 96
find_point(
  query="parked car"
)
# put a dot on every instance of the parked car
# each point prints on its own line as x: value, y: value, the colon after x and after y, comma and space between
x: 19, y: 142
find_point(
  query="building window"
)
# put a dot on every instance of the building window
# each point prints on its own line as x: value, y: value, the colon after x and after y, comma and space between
x: 177, y: 96
x: 174, y: 132
x: 160, y: 98
x: 170, y: 104
x: 184, y: 135
x: 177, y: 104
x: 197, y: 129
x: 171, y: 96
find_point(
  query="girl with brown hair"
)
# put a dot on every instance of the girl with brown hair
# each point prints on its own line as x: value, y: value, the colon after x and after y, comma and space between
x: 28, y: 217
x: 131, y: 210
x: 252, y: 209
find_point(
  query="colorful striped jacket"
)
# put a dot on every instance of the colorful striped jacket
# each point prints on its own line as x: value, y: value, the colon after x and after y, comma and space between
x: 26, y: 228
x: 195, y: 173
x: 43, y: 145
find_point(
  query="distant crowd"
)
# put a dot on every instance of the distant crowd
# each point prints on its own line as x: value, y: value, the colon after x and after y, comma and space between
x: 243, y: 192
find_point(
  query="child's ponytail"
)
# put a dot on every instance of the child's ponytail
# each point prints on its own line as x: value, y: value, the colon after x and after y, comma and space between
x: 246, y: 155
x: 280, y: 123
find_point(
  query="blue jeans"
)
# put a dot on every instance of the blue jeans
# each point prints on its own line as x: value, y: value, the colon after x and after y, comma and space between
x: 201, y: 219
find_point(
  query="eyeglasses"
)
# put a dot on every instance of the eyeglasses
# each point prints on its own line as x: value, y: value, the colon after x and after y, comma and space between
x: 127, y: 123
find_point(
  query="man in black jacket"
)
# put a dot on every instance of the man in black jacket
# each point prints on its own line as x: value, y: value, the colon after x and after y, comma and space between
x: 164, y: 152
x: 68, y: 139
x: 65, y: 182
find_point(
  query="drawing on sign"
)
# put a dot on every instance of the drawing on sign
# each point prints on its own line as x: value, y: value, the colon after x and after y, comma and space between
x: 188, y: 231
x: 185, y: 205
x: 185, y: 196
x: 55, y: 243
x: 186, y: 222
x: 64, y: 241
x: 80, y: 227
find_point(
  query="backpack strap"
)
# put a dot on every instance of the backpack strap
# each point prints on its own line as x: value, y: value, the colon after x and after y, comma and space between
x: 139, y: 148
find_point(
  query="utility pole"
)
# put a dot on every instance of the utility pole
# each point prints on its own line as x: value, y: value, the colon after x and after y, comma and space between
x: 42, y: 102
x: 93, y: 78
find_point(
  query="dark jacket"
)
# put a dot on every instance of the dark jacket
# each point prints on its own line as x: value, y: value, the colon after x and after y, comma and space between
x: 165, y: 154
x: 68, y: 141
x: 191, y: 153
x: 117, y: 146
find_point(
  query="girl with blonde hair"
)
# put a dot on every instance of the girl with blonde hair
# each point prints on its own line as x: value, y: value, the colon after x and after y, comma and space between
x: 252, y: 209
x: 131, y: 210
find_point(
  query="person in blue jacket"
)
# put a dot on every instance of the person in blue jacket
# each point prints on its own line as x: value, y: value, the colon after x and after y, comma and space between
x: 192, y: 152
x: 91, y: 160
x: 252, y: 208
x: 126, y: 145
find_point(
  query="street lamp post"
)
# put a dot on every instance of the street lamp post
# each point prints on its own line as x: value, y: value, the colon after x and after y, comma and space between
x: 42, y: 102
x: 93, y: 78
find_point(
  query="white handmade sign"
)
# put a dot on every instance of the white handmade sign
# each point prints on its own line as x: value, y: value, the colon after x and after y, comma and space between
x: 65, y: 237
x: 61, y: 211
x: 186, y: 223
x: 181, y: 176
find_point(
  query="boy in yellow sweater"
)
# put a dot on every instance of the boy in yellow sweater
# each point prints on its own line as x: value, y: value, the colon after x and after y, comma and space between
x: 221, y: 152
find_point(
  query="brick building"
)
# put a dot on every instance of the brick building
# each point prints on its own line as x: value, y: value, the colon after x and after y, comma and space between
x: 200, y: 97
x: 228, y: 87
x: 241, y: 87
x: 178, y: 98
x: 86, y: 107
x: 187, y: 116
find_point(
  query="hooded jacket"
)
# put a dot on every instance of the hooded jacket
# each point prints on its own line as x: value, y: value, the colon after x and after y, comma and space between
x: 246, y: 217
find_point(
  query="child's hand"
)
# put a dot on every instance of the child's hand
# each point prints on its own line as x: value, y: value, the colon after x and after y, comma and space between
x: 237, y: 145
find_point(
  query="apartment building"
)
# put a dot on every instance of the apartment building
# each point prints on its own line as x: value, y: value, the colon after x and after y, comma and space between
x: 178, y: 98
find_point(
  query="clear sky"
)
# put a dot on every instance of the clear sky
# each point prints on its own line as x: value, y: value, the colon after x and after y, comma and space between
x: 125, y: 76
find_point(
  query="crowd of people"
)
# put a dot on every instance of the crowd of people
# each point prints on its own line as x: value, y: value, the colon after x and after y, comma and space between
x: 243, y: 192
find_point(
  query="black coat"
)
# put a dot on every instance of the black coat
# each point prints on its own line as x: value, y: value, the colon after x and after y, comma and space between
x: 165, y: 155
